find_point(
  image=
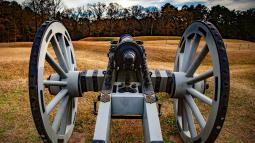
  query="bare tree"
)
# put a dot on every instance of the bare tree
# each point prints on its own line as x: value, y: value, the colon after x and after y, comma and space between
x: 31, y: 4
x: 57, y: 6
x: 46, y: 9
x: 125, y: 13
x: 72, y: 13
x: 97, y: 9
x: 137, y: 11
x: 113, y: 12
x: 152, y: 13
x: 85, y: 17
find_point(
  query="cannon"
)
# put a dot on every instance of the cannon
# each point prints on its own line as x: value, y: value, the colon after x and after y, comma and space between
x: 127, y: 88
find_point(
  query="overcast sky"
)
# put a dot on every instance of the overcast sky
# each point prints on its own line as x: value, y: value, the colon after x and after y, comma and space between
x: 231, y: 4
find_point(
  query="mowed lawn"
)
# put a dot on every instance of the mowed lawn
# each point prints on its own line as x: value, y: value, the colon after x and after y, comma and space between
x: 16, y: 123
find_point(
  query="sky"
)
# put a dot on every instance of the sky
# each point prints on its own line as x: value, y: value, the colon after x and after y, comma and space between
x: 231, y: 4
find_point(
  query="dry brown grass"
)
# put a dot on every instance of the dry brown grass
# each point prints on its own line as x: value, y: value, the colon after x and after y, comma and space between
x: 143, y: 38
x: 16, y: 124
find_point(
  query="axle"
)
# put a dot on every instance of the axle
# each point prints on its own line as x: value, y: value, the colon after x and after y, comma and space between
x: 127, y: 64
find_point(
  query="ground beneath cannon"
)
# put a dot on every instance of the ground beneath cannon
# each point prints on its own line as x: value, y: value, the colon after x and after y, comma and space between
x: 14, y: 102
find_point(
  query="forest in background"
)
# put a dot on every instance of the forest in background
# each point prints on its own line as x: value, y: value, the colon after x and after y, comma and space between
x: 19, y: 22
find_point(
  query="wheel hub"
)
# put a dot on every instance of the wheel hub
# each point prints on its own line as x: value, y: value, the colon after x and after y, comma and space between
x: 72, y: 84
x: 181, y: 85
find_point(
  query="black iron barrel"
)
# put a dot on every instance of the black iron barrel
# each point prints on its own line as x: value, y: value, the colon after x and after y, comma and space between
x: 125, y: 37
x: 128, y: 54
x: 129, y: 58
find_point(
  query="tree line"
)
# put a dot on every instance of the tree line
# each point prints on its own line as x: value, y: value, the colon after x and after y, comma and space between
x: 19, y: 22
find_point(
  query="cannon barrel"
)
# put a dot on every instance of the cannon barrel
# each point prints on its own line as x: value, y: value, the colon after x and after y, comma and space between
x: 129, y: 58
x: 128, y: 53
x: 125, y: 37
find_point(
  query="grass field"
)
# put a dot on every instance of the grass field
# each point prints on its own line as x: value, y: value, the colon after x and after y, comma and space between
x: 16, y: 123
